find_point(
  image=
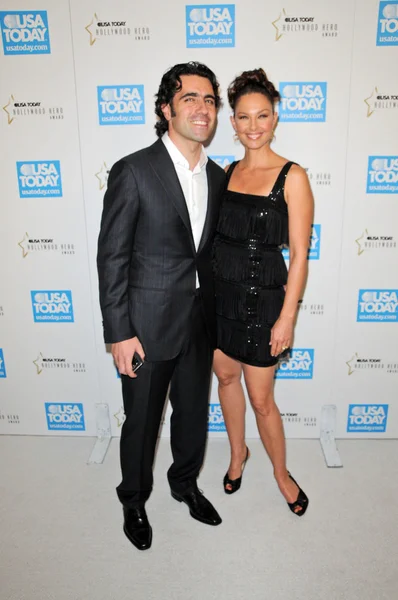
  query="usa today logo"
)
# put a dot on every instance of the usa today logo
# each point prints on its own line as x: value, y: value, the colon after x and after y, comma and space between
x: 61, y: 415
x: 378, y: 305
x: 51, y: 306
x: 367, y: 418
x: 303, y: 101
x: 382, y: 175
x: 121, y: 104
x: 298, y: 364
x: 216, y: 419
x: 37, y: 179
x: 387, y: 24
x: 210, y: 25
x: 3, y: 372
x: 222, y: 160
x: 314, y: 249
x: 25, y: 32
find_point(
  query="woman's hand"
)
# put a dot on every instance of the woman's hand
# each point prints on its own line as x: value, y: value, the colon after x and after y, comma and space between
x: 281, y: 335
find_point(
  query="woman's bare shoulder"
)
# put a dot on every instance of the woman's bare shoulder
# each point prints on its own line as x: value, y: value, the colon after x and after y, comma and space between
x: 297, y: 173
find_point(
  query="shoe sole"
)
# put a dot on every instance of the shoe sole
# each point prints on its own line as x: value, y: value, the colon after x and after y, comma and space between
x: 193, y: 515
x: 131, y: 539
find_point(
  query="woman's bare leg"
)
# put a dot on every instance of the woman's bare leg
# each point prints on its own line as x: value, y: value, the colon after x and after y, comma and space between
x: 260, y: 387
x: 233, y: 404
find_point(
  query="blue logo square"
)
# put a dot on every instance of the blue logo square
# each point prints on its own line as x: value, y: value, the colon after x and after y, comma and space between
x: 39, y: 179
x: 222, y: 159
x: 3, y: 372
x: 387, y: 24
x: 121, y: 104
x: 52, y: 306
x: 61, y: 415
x: 297, y: 364
x: 210, y: 25
x: 367, y: 418
x: 303, y: 101
x: 379, y: 306
x: 382, y: 175
x: 25, y: 32
x: 314, y: 250
x: 216, y: 419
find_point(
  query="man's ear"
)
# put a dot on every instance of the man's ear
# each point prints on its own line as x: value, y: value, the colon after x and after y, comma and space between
x: 166, y: 110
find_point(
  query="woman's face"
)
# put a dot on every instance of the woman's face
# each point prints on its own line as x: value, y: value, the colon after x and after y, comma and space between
x: 254, y: 120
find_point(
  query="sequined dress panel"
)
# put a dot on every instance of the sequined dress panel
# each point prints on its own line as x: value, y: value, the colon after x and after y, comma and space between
x: 250, y: 271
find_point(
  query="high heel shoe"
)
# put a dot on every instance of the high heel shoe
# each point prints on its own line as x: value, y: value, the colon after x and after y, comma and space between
x: 235, y: 483
x: 301, y: 502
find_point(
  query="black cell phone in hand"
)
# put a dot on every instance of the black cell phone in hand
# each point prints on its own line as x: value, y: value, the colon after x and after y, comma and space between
x: 136, y: 362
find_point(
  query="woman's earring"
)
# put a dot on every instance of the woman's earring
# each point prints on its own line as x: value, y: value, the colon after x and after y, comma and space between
x: 272, y: 136
x: 236, y: 137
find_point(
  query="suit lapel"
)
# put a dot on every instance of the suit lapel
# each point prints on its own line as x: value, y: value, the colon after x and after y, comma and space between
x: 164, y: 169
x: 211, y: 210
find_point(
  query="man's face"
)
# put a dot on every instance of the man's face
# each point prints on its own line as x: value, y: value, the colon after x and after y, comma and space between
x: 192, y: 114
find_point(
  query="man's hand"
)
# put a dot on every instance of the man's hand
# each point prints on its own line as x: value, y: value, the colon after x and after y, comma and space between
x: 123, y: 353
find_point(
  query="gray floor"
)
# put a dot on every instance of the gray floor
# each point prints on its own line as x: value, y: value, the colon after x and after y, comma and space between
x: 61, y: 533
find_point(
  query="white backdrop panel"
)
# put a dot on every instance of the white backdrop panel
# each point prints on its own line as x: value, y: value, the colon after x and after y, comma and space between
x: 54, y: 372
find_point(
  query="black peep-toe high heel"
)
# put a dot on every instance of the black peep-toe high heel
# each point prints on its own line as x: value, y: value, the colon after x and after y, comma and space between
x: 301, y: 502
x: 235, y: 483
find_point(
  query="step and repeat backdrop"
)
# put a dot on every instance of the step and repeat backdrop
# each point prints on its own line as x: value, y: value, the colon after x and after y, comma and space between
x: 78, y: 85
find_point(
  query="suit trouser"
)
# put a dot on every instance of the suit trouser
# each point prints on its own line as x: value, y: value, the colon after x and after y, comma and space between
x: 188, y: 375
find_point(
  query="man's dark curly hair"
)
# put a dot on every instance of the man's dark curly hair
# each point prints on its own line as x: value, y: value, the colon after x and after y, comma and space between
x: 171, y: 84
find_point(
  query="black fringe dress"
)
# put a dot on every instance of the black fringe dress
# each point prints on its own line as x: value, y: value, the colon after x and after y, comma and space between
x: 250, y: 270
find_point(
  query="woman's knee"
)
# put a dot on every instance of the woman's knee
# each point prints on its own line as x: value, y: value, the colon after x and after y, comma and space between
x: 263, y: 406
x: 226, y: 377
x: 227, y: 370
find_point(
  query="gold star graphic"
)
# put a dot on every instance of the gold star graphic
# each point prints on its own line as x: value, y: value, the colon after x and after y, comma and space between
x: 274, y: 23
x: 10, y: 101
x: 120, y: 417
x: 87, y: 28
x: 102, y: 176
x: 369, y: 104
x: 39, y: 363
x: 359, y: 241
x: 351, y: 369
x: 24, y: 246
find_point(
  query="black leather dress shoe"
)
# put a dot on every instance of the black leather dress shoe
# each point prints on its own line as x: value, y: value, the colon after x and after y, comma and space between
x: 137, y: 528
x: 199, y: 507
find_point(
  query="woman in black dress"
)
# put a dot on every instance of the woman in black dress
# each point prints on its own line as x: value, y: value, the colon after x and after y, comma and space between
x: 268, y: 203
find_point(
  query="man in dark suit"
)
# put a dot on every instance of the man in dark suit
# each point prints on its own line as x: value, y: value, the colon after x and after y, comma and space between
x: 156, y: 292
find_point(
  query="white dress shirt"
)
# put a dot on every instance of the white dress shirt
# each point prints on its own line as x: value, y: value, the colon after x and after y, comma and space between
x: 194, y: 186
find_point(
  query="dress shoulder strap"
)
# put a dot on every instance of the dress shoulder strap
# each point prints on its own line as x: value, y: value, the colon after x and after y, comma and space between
x: 231, y: 170
x: 280, y: 182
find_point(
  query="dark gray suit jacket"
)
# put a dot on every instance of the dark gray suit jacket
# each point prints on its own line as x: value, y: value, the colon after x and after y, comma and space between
x: 147, y: 259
